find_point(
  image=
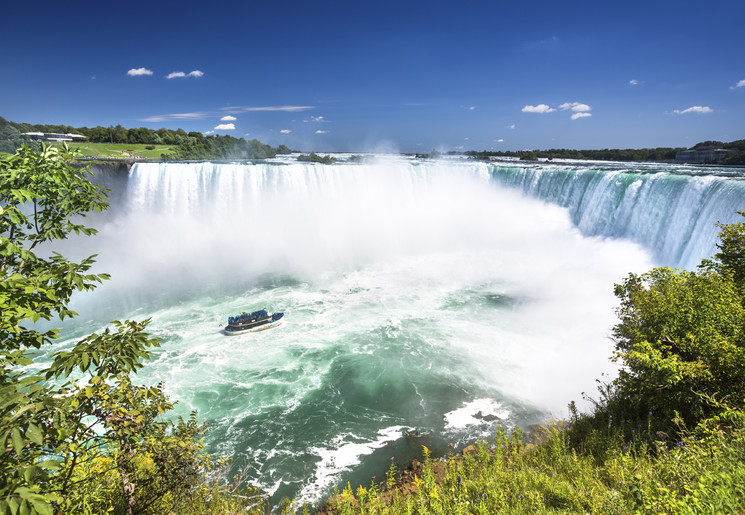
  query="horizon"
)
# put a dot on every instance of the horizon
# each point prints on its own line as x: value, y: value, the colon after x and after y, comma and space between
x: 387, y: 77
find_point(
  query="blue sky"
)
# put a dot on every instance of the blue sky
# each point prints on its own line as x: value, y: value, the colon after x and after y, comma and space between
x: 399, y: 76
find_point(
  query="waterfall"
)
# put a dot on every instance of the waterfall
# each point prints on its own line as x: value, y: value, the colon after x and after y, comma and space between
x: 669, y: 210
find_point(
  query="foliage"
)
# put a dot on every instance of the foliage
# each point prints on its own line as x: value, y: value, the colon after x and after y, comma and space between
x: 640, y: 475
x: 192, y: 145
x: 315, y: 158
x: 220, y: 147
x: 681, y: 335
x: 629, y: 154
x: 77, y: 434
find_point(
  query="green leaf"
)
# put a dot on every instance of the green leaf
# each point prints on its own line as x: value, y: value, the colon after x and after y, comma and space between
x: 35, y: 434
x: 30, y: 473
x: 17, y: 439
x: 50, y: 464
x: 14, y: 503
x: 41, y: 505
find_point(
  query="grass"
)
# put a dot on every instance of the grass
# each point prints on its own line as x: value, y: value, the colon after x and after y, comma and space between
x: 119, y: 150
x: 643, y: 474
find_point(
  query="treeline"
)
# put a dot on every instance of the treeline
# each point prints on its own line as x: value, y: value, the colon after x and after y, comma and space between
x: 610, y: 154
x: 198, y: 146
x: 606, y: 154
x: 185, y: 145
x: 112, y: 134
x: 739, y: 145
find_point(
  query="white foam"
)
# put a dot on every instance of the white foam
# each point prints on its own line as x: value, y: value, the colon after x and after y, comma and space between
x: 475, y: 413
x: 341, y: 456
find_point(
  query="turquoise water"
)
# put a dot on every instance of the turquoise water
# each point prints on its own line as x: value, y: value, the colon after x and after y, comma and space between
x: 424, y: 303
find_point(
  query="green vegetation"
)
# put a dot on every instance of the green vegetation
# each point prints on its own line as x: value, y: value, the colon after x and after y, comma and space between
x: 77, y: 434
x: 198, y: 146
x: 141, y: 142
x: 315, y: 158
x: 118, y: 150
x: 628, y: 154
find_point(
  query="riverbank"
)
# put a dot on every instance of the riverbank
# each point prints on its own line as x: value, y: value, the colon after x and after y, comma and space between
x: 604, y: 472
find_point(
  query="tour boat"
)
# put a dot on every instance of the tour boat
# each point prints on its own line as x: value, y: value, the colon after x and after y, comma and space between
x: 252, y: 322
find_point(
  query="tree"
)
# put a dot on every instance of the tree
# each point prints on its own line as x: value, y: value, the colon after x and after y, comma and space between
x: 681, y: 335
x: 66, y: 429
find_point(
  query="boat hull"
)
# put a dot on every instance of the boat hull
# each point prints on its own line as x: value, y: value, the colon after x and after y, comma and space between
x: 254, y: 329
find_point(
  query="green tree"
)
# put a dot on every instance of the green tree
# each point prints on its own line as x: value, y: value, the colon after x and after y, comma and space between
x: 66, y: 429
x: 681, y: 335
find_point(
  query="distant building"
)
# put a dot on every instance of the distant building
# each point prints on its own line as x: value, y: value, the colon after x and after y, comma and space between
x: 53, y: 136
x: 704, y: 155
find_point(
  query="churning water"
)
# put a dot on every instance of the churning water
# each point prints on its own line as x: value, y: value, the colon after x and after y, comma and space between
x: 424, y: 301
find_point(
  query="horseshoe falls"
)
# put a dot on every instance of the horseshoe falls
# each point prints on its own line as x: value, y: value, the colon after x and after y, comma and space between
x: 424, y: 301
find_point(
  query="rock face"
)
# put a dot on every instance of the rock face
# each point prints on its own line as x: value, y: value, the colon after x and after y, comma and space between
x: 111, y: 175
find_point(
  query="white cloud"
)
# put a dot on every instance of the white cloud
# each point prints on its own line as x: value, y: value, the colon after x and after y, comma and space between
x: 225, y: 127
x: 511, y: 126
x: 500, y: 140
x: 209, y: 132
x: 471, y: 108
x: 174, y: 116
x: 740, y: 84
x: 246, y: 109
x: 694, y: 109
x: 575, y: 116
x: 575, y: 106
x: 228, y: 118
x: 134, y: 72
x: 285, y: 131
x: 317, y: 118
x: 93, y: 77
x: 319, y: 131
x: 540, y: 108
x: 178, y: 75
x: 633, y: 82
